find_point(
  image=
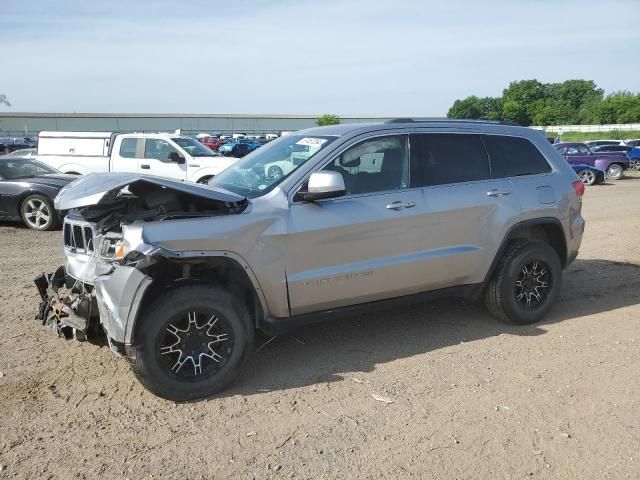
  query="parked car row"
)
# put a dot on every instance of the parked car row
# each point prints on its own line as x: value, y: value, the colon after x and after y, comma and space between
x: 612, y: 163
x: 238, y: 145
x: 11, y: 144
x: 631, y: 142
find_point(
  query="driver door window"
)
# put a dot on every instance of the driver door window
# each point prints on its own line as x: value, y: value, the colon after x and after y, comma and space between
x: 158, y: 149
x: 156, y: 160
x: 376, y: 165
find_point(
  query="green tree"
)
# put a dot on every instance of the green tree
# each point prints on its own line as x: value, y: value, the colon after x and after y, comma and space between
x: 467, y: 108
x: 530, y: 102
x: 327, y: 119
x: 487, y: 108
x: 515, y: 111
x: 491, y: 108
x: 4, y: 101
x: 521, y: 97
x: 620, y: 107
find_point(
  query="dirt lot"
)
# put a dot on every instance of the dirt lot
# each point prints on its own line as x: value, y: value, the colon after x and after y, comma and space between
x: 437, y: 390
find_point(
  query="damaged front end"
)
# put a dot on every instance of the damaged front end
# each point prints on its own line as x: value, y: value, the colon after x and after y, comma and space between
x: 107, y: 272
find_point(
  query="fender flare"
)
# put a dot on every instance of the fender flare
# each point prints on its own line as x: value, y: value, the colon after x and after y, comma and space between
x: 510, y: 236
x: 203, y: 172
x: 208, y: 171
x: 74, y: 167
x: 239, y: 260
x: 139, y: 299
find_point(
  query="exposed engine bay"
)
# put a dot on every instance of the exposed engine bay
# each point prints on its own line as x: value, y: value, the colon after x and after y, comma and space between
x: 145, y: 201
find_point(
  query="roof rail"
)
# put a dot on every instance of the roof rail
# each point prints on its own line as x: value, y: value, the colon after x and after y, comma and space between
x: 454, y: 120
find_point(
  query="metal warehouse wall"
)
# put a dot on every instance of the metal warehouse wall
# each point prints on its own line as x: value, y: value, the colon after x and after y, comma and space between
x: 19, y: 123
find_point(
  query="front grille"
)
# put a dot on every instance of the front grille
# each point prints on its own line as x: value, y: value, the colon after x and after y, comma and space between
x: 78, y: 236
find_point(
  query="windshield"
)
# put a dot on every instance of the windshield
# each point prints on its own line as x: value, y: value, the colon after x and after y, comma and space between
x: 264, y: 168
x: 23, y: 152
x: 11, y: 169
x: 193, y: 147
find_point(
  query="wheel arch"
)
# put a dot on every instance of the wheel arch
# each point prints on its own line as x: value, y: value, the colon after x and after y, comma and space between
x: 548, y: 230
x: 204, y: 178
x: 224, y: 269
x: 27, y: 193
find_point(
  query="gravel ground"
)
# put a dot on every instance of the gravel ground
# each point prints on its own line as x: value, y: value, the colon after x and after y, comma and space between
x: 437, y: 390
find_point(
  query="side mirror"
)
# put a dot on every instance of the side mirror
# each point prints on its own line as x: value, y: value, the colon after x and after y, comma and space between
x: 324, y: 184
x: 176, y: 157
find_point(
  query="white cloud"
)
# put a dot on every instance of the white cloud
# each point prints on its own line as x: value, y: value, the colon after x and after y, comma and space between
x: 356, y: 56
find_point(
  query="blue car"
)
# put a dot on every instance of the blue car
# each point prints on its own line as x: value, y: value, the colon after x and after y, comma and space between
x: 588, y: 174
x: 238, y: 148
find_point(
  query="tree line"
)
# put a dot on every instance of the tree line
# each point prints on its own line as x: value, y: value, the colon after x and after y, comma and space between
x: 573, y: 102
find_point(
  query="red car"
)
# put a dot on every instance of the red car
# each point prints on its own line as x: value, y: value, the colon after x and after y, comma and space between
x: 212, y: 142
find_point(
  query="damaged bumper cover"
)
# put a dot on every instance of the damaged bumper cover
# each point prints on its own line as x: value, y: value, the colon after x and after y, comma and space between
x: 119, y: 296
x: 71, y: 307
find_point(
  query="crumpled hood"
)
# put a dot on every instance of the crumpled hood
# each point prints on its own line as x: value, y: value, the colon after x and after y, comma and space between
x: 93, y: 188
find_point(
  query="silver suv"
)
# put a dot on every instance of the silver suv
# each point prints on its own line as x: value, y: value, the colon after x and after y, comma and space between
x: 179, y: 276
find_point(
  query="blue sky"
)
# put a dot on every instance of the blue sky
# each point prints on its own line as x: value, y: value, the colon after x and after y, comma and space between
x: 401, y: 57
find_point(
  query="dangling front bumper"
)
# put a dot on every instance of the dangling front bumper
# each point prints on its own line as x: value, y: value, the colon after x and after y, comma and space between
x: 72, y: 307
x: 68, y: 306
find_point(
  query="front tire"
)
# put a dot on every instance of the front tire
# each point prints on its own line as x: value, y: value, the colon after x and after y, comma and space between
x: 615, y: 171
x: 525, y: 284
x: 205, y: 180
x: 191, y: 343
x: 587, y: 176
x: 635, y: 164
x: 38, y: 213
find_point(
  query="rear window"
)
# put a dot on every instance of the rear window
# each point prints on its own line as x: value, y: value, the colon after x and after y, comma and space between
x: 443, y: 158
x: 514, y: 156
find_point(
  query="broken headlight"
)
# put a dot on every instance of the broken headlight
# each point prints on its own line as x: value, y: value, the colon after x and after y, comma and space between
x: 112, y: 247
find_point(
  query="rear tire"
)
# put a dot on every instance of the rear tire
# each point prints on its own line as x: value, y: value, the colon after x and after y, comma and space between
x: 615, y: 171
x: 525, y: 284
x: 191, y: 343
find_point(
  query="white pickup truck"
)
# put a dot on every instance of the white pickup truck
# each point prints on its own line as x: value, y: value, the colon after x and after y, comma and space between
x: 162, y: 154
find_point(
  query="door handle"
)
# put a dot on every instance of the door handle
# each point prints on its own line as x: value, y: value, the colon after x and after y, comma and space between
x: 145, y: 166
x: 194, y: 165
x: 399, y: 205
x: 498, y: 193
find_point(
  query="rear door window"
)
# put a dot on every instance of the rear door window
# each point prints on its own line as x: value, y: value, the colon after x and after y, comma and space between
x: 444, y: 158
x: 514, y: 156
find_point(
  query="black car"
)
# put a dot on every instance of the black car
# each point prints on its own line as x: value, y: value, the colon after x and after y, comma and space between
x: 27, y: 190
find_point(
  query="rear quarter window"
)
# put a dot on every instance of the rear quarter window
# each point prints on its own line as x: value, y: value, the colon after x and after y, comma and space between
x: 514, y: 156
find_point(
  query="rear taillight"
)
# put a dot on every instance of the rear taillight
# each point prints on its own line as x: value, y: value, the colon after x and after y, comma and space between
x: 579, y: 187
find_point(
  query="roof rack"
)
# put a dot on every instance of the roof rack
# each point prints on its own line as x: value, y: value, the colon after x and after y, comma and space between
x: 453, y: 120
